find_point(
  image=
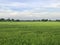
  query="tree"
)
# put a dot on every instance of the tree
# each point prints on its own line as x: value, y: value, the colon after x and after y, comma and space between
x: 12, y: 20
x: 8, y: 19
x: 58, y: 20
x: 2, y: 19
x: 44, y: 20
x: 17, y: 20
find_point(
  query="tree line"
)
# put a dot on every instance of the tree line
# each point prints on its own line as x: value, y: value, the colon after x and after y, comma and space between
x: 17, y: 20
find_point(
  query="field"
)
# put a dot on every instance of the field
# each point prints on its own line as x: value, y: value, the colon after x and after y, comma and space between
x: 29, y: 33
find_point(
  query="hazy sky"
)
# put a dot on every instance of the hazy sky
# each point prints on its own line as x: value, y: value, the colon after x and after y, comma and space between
x: 30, y: 9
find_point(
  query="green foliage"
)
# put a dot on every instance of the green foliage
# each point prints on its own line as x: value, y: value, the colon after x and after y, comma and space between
x: 29, y: 33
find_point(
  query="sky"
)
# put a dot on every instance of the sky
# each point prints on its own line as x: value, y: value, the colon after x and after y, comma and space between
x: 30, y: 9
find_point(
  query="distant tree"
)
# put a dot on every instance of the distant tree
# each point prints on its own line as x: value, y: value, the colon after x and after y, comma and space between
x: 50, y: 20
x: 12, y: 20
x: 57, y: 20
x: 8, y: 19
x: 17, y: 20
x: 38, y: 20
x: 33, y: 20
x: 44, y: 20
x: 2, y: 19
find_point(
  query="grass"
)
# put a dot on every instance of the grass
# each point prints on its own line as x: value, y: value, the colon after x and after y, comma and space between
x: 29, y: 33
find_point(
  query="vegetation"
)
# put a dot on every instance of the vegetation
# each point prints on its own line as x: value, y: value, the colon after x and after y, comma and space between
x: 29, y: 33
x: 17, y: 20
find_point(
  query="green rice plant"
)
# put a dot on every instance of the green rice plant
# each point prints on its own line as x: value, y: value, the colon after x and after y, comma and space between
x: 29, y: 33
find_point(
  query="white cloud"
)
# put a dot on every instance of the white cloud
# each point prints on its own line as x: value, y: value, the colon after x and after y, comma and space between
x: 13, y: 4
x: 29, y: 14
x: 36, y: 12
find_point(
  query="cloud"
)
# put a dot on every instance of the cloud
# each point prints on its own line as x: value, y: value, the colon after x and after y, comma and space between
x: 29, y: 14
x: 30, y: 9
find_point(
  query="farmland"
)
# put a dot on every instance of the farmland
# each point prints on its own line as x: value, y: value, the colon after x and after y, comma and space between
x: 29, y: 33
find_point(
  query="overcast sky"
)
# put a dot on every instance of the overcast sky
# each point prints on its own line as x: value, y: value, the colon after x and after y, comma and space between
x: 30, y: 9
